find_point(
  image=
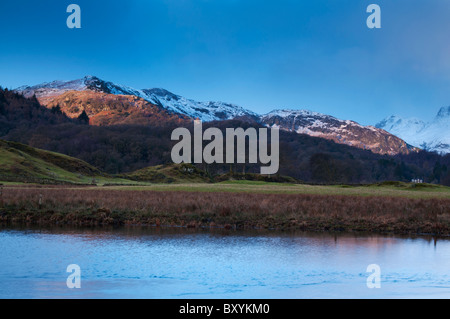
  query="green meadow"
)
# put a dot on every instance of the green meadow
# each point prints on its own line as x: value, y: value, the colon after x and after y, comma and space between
x: 388, y: 189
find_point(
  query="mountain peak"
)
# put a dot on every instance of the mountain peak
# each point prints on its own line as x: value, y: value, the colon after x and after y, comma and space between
x: 443, y: 112
x: 160, y: 92
x: 291, y: 112
x: 90, y: 77
x: 430, y: 136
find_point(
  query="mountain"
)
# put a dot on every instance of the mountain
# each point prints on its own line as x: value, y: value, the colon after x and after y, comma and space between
x: 205, y: 111
x: 120, y: 149
x: 433, y: 136
x: 107, y: 103
x: 340, y: 131
x: 46, y: 91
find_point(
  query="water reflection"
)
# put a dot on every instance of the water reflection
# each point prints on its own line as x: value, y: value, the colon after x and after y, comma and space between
x: 143, y: 262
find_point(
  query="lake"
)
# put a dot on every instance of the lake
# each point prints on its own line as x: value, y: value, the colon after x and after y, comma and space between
x: 144, y: 262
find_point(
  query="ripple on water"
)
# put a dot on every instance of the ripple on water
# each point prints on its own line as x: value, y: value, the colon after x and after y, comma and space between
x: 149, y: 263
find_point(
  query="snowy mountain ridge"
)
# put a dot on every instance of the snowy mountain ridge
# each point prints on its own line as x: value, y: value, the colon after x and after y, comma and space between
x: 340, y: 131
x: 205, y: 111
x: 300, y: 121
x: 433, y: 136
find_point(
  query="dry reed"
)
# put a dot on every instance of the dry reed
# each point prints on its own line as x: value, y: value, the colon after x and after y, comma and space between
x: 240, y: 210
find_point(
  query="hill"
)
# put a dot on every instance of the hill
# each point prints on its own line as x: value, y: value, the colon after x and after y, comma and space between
x: 22, y: 163
x: 174, y: 173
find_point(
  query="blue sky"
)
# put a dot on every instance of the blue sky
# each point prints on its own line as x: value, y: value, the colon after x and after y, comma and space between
x: 316, y: 55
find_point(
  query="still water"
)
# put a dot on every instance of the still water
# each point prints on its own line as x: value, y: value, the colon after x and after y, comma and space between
x: 135, y: 262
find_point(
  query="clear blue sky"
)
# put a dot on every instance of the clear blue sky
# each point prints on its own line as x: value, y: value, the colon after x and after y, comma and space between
x: 317, y: 55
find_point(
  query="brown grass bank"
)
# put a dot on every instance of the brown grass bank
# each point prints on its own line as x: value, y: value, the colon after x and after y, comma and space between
x: 87, y: 206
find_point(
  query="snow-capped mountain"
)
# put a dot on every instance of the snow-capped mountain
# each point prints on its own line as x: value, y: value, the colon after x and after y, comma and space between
x: 205, y: 111
x: 91, y: 97
x: 431, y: 136
x: 340, y: 131
x: 89, y: 82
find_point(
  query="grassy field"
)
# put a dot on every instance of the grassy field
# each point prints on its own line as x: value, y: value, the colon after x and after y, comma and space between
x: 389, y: 189
x: 385, y: 208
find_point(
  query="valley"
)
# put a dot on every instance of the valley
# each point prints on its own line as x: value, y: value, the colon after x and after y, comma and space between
x: 88, y: 153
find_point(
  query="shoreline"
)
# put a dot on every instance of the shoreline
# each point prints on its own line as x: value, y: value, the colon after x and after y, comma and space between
x: 102, y: 218
x: 326, y: 230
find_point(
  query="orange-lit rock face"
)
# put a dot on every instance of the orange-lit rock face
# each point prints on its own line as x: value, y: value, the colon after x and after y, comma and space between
x: 342, y: 132
x: 109, y: 109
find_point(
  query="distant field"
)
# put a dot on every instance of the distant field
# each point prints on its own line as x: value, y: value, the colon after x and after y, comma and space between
x: 392, y: 189
x: 387, y: 189
x: 23, y: 165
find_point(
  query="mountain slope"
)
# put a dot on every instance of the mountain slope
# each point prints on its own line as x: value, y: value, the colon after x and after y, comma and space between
x: 108, y: 109
x: 340, y: 131
x: 107, y: 103
x: 22, y: 163
x: 431, y: 136
x: 205, y: 111
x: 19, y: 162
